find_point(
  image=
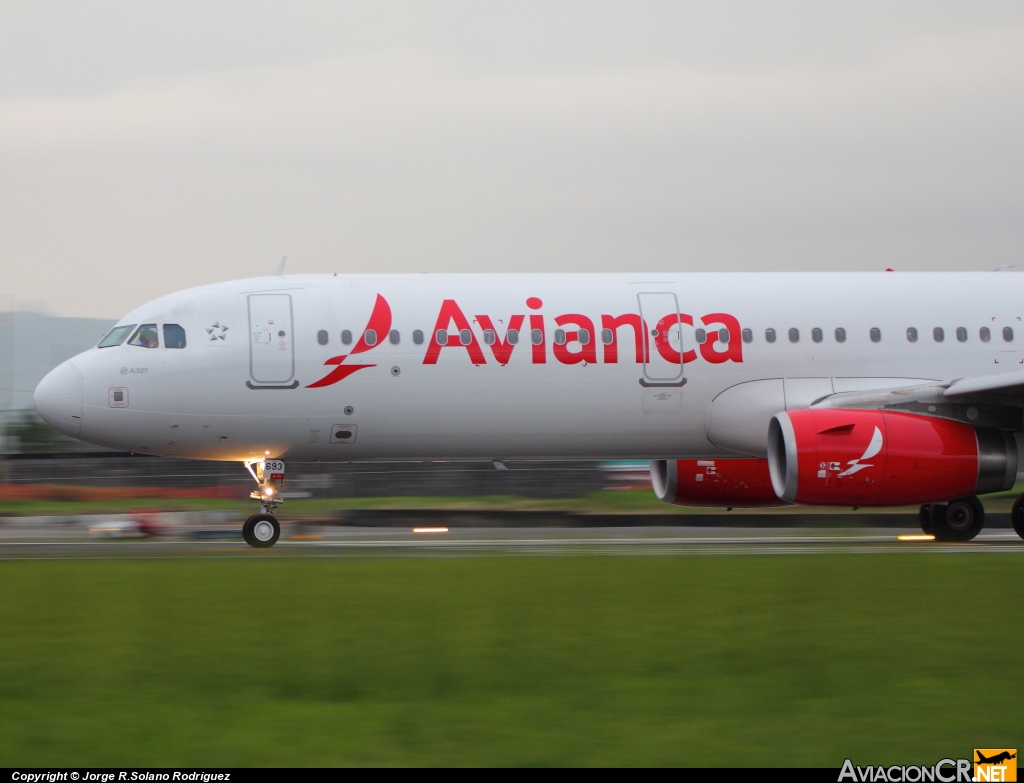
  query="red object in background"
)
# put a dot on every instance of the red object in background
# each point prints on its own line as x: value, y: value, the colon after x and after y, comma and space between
x: 148, y: 521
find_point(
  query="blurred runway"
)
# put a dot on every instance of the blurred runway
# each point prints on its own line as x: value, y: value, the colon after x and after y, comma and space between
x: 649, y: 541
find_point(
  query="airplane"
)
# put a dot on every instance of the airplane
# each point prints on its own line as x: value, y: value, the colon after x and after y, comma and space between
x: 999, y: 758
x: 742, y: 390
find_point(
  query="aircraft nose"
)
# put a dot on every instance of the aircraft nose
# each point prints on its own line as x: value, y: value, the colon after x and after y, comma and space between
x: 58, y: 399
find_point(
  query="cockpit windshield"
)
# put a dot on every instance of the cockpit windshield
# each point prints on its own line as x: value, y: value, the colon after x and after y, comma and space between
x: 145, y: 337
x: 116, y: 336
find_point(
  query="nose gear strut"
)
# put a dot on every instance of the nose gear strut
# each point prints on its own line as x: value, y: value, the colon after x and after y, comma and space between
x: 262, y: 530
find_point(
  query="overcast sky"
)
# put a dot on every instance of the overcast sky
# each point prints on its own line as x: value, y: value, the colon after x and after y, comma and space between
x: 149, y: 147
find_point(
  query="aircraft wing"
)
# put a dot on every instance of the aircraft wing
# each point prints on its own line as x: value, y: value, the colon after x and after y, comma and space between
x: 1002, y: 383
x: 993, y: 400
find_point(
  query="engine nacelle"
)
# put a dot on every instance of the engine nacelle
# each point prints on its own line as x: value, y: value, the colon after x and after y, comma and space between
x: 839, y: 457
x: 724, y: 483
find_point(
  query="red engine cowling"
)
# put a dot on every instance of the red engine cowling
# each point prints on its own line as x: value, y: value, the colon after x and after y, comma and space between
x: 725, y: 483
x: 841, y: 457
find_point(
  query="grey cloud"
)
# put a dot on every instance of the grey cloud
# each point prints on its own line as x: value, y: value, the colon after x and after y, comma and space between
x: 549, y: 137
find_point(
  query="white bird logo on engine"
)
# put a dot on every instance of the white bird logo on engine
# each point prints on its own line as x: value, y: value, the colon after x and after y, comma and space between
x: 873, y: 448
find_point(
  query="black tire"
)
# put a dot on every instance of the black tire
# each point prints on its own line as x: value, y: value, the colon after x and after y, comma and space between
x: 963, y: 520
x: 261, y: 531
x: 924, y: 517
x: 1017, y: 516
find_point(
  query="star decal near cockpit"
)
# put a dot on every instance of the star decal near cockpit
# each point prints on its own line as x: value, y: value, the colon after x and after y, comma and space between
x: 217, y: 331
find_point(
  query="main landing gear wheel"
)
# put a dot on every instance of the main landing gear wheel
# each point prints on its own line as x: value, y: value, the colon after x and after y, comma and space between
x: 959, y: 520
x: 261, y: 531
x: 1017, y: 516
x: 924, y: 517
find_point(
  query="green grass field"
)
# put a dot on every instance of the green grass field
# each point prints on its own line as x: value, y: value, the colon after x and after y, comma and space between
x: 628, y: 502
x: 704, y: 661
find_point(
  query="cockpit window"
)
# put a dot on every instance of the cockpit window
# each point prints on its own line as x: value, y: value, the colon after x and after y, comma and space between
x: 145, y: 337
x: 116, y: 336
x: 174, y: 336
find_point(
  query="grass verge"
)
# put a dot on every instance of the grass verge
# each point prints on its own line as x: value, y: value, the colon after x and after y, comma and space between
x: 745, y: 660
x: 620, y: 502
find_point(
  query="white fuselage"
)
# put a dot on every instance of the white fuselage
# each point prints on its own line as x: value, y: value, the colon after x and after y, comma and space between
x: 265, y: 371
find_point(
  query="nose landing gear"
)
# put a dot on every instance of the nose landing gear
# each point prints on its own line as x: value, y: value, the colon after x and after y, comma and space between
x: 262, y: 530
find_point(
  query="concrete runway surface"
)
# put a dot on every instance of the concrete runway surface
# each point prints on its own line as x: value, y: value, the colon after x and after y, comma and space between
x: 56, y: 541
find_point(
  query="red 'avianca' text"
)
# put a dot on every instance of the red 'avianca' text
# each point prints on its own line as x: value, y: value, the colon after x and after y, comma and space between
x: 631, y: 338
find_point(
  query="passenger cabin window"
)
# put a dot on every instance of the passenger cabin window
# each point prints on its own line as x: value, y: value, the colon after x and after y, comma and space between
x: 174, y: 336
x: 816, y: 334
x: 465, y: 336
x: 346, y: 337
x: 701, y: 336
x: 559, y: 336
x: 769, y: 335
x: 961, y: 334
x: 417, y: 336
x: 145, y: 337
x: 370, y: 336
x: 116, y: 336
x: 939, y: 334
x: 984, y: 334
x: 911, y: 334
x: 875, y: 334
x: 1008, y: 334
x: 321, y: 337
x: 794, y: 335
x: 607, y: 337
x: 748, y: 336
x: 723, y: 336
x: 394, y: 337
x: 489, y: 336
x: 536, y: 336
x: 583, y: 335
x: 840, y: 335
x: 512, y: 336
x: 441, y: 337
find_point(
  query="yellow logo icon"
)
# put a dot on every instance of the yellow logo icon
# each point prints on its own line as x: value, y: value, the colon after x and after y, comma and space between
x: 995, y: 764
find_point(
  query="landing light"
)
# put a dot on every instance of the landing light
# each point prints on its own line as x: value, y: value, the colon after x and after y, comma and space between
x: 430, y: 530
x: 268, y: 491
x: 916, y: 537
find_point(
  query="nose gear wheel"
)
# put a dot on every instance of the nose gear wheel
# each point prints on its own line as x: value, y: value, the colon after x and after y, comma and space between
x: 261, y: 531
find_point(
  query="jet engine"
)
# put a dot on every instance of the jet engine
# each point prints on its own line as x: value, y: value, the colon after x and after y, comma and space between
x: 842, y: 457
x: 725, y: 483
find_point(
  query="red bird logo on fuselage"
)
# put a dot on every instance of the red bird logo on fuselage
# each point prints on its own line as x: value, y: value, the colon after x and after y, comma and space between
x: 378, y: 325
